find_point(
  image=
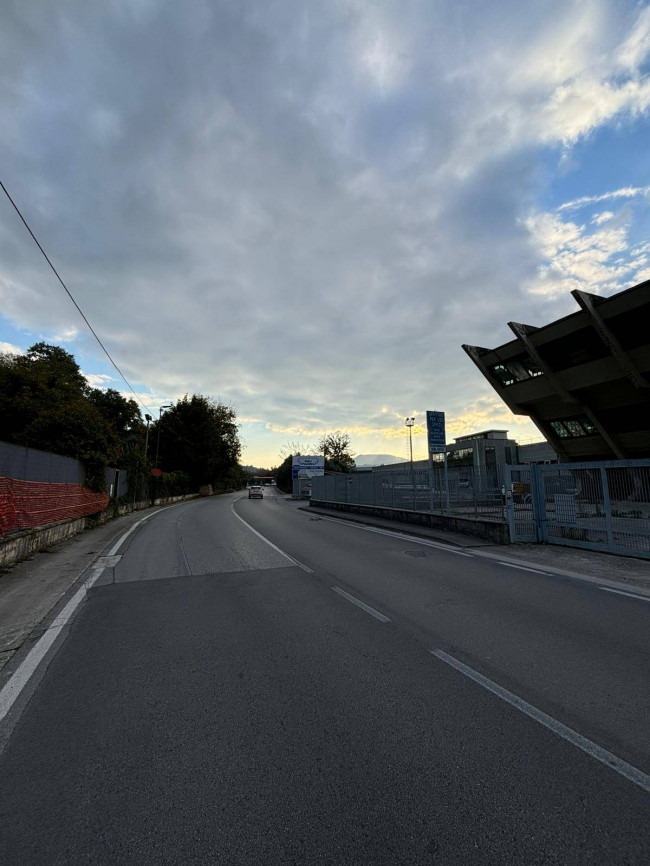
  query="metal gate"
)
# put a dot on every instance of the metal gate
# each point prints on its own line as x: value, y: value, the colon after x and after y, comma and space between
x: 601, y: 505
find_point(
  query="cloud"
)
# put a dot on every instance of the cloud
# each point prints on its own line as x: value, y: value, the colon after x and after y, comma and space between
x: 305, y: 209
x: 625, y: 192
x: 578, y: 256
x: 9, y: 349
x: 97, y: 380
x: 603, y: 217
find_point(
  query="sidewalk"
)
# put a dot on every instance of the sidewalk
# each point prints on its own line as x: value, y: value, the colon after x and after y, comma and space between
x: 572, y: 561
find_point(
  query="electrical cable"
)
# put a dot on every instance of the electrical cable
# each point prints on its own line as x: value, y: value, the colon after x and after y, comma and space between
x: 81, y: 313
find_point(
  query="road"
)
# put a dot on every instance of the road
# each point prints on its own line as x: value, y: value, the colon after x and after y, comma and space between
x: 252, y: 683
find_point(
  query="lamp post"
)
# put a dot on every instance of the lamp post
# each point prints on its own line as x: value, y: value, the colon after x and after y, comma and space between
x: 166, y: 406
x: 146, y: 439
x: 409, y: 423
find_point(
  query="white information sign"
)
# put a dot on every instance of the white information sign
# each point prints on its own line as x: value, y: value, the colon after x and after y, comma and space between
x: 307, y: 467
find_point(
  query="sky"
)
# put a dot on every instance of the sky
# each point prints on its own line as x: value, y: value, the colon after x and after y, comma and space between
x: 303, y: 209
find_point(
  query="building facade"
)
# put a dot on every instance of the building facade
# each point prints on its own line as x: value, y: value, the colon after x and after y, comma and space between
x: 584, y: 379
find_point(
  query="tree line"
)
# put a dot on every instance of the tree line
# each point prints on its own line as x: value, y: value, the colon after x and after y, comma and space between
x: 47, y: 403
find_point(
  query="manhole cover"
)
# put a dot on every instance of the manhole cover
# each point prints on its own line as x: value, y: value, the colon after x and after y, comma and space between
x: 417, y: 553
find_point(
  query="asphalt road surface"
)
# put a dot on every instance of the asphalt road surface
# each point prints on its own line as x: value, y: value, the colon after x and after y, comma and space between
x: 250, y: 683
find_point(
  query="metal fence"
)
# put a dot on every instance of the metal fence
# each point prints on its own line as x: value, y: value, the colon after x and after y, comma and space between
x: 466, y: 492
x: 30, y: 464
x: 597, y: 506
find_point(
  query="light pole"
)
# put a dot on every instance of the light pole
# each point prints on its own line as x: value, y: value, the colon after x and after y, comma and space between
x: 166, y: 406
x: 409, y: 423
x: 146, y: 439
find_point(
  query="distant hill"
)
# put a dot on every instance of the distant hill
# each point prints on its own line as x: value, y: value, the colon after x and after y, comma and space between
x: 362, y: 460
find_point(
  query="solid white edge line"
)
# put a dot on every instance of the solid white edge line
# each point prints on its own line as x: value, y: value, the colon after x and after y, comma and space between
x: 24, y: 671
x: 522, y: 567
x: 632, y: 774
x: 627, y: 594
x: 361, y: 604
x: 270, y: 543
x: 21, y: 676
x: 128, y: 532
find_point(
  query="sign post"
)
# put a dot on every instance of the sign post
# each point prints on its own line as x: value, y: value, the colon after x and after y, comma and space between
x: 437, y: 444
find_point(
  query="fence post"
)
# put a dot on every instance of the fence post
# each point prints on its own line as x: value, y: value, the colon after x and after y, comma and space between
x: 538, y: 497
x: 607, y: 507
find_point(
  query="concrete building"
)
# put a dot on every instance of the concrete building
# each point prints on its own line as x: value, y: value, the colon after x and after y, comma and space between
x: 536, y: 452
x: 584, y: 379
x: 483, y: 452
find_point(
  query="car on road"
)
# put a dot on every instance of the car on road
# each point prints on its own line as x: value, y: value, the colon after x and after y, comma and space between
x: 255, y: 492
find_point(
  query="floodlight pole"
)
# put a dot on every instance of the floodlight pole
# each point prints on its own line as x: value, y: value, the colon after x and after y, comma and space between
x: 409, y: 423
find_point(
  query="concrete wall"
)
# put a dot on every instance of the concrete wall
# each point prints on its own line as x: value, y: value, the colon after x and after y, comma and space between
x: 492, y: 530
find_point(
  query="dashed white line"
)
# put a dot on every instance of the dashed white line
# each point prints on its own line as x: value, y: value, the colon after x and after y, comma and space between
x: 628, y: 594
x: 624, y: 769
x: 522, y: 567
x: 361, y: 604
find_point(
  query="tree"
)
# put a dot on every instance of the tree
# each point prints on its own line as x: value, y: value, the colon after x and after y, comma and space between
x: 43, y: 405
x: 336, y: 449
x: 199, y: 436
x: 282, y: 474
x: 123, y: 414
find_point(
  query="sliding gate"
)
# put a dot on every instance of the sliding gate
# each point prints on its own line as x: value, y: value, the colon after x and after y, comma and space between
x: 601, y: 505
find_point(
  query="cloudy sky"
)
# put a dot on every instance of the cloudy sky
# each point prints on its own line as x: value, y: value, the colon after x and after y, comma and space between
x: 304, y: 208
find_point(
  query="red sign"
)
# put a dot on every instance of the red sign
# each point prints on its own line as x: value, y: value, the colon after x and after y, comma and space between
x: 156, y: 472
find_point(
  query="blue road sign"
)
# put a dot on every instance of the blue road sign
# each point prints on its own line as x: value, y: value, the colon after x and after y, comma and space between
x: 436, y: 432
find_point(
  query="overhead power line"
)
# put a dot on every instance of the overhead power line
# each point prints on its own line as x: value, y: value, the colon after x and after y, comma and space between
x: 69, y: 294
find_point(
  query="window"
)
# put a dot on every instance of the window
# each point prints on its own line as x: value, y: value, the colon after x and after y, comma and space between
x: 516, y: 370
x: 502, y: 374
x: 461, y: 457
x: 572, y: 428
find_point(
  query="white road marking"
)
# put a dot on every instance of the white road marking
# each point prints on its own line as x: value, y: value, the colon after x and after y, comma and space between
x: 19, y: 679
x: 123, y: 537
x: 624, y: 769
x: 270, y: 543
x: 21, y: 676
x: 398, y: 535
x: 522, y: 567
x: 361, y: 604
x: 628, y: 594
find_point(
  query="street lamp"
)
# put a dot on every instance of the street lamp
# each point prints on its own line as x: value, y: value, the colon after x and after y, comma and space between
x: 146, y: 439
x: 166, y: 406
x: 409, y: 423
